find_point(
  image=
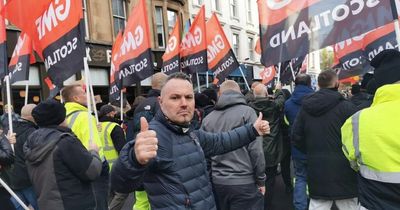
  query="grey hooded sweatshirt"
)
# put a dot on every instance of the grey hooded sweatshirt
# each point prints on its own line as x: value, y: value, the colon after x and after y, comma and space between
x: 245, y: 165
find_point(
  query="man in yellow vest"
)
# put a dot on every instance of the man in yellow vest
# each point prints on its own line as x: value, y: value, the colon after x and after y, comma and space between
x: 77, y: 120
x: 371, y: 138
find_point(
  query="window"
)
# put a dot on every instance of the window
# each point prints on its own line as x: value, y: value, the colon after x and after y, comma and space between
x: 249, y: 19
x: 215, y: 5
x: 234, y: 8
x: 85, y: 19
x: 119, y: 15
x: 251, y: 48
x: 160, y: 27
x: 235, y: 44
x: 198, y: 2
x: 172, y: 16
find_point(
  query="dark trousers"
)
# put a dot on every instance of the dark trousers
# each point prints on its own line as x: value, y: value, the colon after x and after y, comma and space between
x: 5, y: 202
x: 285, y: 171
x: 271, y: 173
x: 238, y: 197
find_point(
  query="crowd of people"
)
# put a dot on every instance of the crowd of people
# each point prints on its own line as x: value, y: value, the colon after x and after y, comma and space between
x: 219, y: 149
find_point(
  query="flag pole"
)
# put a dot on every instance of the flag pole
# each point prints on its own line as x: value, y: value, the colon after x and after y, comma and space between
x: 198, y: 82
x: 396, y: 22
x: 279, y: 72
x: 94, y: 102
x: 89, y: 105
x: 10, y: 125
x: 207, y: 79
x: 26, y: 92
x: 244, y: 77
x: 13, y: 194
x: 291, y: 69
x: 122, y: 106
x: 61, y: 98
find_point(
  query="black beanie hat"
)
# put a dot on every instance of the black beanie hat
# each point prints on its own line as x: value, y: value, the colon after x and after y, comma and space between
x: 105, y: 109
x: 387, y: 67
x: 49, y: 112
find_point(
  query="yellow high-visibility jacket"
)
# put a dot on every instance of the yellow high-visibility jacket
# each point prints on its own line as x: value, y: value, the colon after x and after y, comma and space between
x: 77, y: 121
x: 109, y: 150
x: 371, y: 142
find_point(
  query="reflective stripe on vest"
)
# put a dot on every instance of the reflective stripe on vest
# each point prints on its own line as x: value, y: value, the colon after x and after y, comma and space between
x: 73, y: 119
x: 109, y: 150
x: 365, y: 171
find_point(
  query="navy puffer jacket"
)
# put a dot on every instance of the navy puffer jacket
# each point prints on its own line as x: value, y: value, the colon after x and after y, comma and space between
x: 177, y: 178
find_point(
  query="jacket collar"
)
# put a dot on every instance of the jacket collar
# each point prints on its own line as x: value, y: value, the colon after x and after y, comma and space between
x: 172, y: 126
x: 73, y: 106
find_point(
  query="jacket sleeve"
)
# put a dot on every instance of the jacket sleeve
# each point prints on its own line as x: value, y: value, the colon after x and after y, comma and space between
x: 298, y: 134
x: 84, y: 164
x: 279, y: 99
x: 347, y: 143
x: 118, y: 138
x: 6, y: 153
x: 127, y: 174
x: 220, y: 143
x: 256, y: 154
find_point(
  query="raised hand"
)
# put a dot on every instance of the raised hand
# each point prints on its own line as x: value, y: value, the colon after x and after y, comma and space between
x: 262, y: 126
x: 145, y: 143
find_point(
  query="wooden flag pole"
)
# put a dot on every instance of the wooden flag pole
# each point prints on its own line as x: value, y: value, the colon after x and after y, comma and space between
x: 13, y: 194
x: 89, y: 106
x: 10, y: 125
x: 291, y: 69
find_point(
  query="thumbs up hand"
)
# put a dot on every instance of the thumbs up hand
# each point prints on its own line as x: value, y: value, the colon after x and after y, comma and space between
x: 146, y: 143
x: 262, y: 126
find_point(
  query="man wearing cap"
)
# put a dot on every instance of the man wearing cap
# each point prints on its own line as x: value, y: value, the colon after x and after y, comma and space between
x: 60, y: 167
x: 78, y: 121
x: 371, y: 138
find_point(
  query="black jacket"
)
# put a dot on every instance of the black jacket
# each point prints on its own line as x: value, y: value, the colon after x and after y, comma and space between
x: 61, y: 169
x: 19, y: 178
x: 6, y: 153
x: 316, y: 132
x: 272, y: 110
x: 362, y: 100
x: 177, y: 178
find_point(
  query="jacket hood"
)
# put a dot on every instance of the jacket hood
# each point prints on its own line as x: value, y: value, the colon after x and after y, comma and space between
x: 230, y: 98
x: 299, y: 92
x: 154, y: 93
x: 387, y: 93
x: 321, y: 101
x: 41, y: 143
x: 261, y: 104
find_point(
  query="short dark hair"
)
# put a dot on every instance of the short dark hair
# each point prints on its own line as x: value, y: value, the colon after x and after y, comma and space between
x: 327, y: 79
x: 178, y: 75
x: 303, y: 79
x: 68, y: 92
x: 356, y: 88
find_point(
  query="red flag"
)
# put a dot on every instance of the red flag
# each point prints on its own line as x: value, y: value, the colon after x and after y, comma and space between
x: 268, y: 74
x: 171, y: 59
x: 220, y: 57
x: 115, y: 83
x: 3, y: 46
x: 21, y: 58
x: 134, y: 54
x: 194, y: 46
x: 54, y: 28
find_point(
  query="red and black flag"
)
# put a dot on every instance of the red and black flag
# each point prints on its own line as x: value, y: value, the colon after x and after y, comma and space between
x: 220, y: 57
x: 290, y: 69
x: 54, y: 90
x: 268, y: 75
x: 134, y: 54
x: 115, y: 82
x: 293, y: 28
x: 352, y: 57
x: 20, y: 60
x: 171, y: 57
x: 194, y: 46
x: 3, y: 46
x: 56, y: 32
